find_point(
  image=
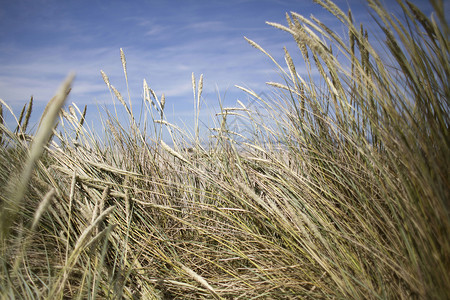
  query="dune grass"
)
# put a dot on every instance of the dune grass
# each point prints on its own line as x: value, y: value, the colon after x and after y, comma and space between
x: 339, y: 191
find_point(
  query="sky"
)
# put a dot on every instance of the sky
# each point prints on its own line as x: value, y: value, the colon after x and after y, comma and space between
x: 41, y: 41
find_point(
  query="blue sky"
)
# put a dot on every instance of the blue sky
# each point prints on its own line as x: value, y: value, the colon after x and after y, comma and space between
x: 41, y: 41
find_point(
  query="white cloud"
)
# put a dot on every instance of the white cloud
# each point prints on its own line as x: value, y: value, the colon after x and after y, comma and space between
x: 163, y: 53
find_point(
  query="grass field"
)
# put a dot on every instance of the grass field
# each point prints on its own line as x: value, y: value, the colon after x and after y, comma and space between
x: 340, y: 190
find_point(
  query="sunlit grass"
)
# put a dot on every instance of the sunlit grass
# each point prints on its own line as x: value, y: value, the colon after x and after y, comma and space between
x: 339, y: 190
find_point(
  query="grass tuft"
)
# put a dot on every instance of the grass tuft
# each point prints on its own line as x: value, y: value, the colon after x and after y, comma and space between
x: 334, y: 187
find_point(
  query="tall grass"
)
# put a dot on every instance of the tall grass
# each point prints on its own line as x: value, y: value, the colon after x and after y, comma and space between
x: 339, y: 191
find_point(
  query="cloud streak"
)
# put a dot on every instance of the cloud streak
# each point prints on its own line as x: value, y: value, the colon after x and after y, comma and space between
x: 41, y: 41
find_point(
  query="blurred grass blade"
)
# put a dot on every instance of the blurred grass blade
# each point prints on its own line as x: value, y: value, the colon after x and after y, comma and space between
x: 12, y: 205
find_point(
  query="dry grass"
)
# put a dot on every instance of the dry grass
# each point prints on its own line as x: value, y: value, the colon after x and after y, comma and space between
x: 340, y: 190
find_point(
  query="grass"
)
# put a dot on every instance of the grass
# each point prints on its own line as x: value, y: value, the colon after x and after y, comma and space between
x: 339, y: 190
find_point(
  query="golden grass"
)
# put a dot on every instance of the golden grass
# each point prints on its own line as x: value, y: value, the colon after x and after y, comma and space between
x: 340, y: 191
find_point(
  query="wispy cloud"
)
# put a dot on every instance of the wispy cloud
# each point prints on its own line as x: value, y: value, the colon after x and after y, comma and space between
x: 164, y: 42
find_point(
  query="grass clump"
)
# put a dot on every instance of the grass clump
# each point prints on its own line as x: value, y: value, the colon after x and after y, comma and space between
x: 340, y: 189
